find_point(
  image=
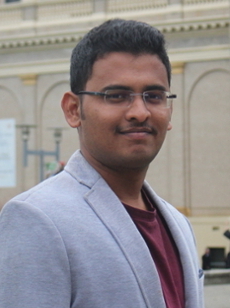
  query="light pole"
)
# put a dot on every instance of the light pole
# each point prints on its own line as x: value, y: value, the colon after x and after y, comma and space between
x: 25, y: 129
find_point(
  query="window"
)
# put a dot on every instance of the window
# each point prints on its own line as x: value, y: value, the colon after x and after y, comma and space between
x: 7, y: 1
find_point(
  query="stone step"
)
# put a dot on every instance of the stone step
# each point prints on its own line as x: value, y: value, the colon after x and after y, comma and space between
x: 216, y: 276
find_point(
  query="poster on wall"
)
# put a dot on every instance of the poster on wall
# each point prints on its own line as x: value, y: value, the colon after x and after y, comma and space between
x: 7, y: 153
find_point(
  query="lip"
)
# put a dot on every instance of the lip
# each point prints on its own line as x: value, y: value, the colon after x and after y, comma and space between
x: 137, y: 131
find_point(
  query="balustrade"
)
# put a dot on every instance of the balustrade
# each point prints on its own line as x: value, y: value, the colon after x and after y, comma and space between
x: 10, y: 16
x: 64, y: 9
x: 201, y: 1
x: 48, y: 10
x: 130, y: 5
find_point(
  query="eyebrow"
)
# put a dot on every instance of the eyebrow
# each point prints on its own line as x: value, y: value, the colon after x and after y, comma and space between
x: 116, y: 87
x: 155, y: 87
x: 122, y: 87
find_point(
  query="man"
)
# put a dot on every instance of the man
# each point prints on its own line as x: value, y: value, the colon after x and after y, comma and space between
x: 206, y: 260
x: 96, y: 235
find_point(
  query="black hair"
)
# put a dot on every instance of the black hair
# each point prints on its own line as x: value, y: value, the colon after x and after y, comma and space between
x: 115, y: 35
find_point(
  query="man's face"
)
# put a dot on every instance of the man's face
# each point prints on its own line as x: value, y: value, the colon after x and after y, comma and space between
x: 123, y: 137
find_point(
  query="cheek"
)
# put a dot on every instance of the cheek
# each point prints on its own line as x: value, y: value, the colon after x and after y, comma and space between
x: 102, y: 118
x: 162, y: 120
x: 97, y: 126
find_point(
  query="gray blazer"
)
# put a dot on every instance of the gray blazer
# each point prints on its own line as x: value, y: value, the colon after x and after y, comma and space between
x: 69, y: 242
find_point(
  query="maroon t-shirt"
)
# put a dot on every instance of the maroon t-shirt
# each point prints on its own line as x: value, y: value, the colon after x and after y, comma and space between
x: 164, y: 252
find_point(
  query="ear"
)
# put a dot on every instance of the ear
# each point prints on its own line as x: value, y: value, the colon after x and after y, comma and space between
x: 170, y: 124
x: 71, y: 107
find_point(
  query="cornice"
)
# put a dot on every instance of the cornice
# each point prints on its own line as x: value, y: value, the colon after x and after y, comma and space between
x: 178, y: 58
x: 189, y: 26
x: 34, y: 42
x: 25, y: 70
x: 54, y: 39
x: 204, y: 53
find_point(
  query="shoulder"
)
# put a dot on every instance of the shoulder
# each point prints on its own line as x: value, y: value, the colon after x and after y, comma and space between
x: 61, y: 190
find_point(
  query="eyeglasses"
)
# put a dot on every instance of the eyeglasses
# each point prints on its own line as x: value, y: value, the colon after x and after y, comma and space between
x: 125, y: 98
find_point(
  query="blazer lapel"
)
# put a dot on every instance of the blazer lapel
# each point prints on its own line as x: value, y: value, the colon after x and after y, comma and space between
x: 184, y: 241
x: 114, y: 216
x: 112, y: 213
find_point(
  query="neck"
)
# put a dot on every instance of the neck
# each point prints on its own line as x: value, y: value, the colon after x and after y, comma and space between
x: 125, y: 182
x: 127, y: 187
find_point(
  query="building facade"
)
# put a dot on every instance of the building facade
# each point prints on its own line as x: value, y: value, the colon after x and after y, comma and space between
x: 193, y: 169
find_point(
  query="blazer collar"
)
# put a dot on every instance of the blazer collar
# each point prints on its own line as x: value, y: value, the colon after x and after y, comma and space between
x: 180, y: 229
x: 81, y: 170
x: 113, y: 215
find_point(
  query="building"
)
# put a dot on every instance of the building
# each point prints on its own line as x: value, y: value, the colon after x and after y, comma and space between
x: 193, y: 170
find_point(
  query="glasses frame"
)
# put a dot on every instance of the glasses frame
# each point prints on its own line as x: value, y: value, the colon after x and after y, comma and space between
x: 169, y: 96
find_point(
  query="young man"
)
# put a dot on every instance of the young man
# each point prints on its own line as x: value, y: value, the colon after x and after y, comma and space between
x: 96, y: 235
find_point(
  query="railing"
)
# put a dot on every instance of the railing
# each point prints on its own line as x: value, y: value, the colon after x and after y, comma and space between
x: 202, y: 1
x: 64, y: 9
x: 51, y: 10
x: 131, y: 5
x: 10, y: 15
x: 16, y: 13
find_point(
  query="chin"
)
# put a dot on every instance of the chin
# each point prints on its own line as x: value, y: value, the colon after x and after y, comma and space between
x: 139, y: 161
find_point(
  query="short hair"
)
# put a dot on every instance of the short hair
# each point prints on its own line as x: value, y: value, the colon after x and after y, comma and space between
x: 115, y: 35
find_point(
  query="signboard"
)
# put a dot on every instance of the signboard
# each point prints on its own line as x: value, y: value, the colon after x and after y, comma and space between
x: 7, y: 153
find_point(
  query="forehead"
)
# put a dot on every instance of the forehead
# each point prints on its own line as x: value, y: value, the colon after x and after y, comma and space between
x: 120, y: 68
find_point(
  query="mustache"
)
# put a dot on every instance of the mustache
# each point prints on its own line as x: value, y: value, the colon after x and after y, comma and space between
x: 136, y: 127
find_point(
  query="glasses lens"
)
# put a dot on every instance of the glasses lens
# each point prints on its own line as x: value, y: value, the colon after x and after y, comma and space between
x: 117, y: 96
x: 156, y: 97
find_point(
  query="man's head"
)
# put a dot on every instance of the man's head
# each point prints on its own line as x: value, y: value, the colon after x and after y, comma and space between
x: 120, y: 100
x: 115, y: 36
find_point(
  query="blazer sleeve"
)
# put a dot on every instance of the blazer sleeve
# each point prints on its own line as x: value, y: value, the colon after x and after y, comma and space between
x: 34, y: 267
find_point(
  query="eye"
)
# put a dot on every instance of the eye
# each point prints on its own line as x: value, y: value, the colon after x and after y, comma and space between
x: 116, y: 96
x: 155, y: 97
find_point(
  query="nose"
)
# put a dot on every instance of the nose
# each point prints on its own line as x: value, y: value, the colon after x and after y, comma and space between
x: 137, y: 109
